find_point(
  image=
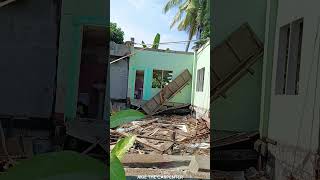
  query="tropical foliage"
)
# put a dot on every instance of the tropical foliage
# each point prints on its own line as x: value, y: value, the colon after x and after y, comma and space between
x: 125, y: 116
x: 192, y: 16
x: 116, y: 34
x: 117, y: 153
x: 155, y: 44
x: 123, y: 145
x: 57, y: 165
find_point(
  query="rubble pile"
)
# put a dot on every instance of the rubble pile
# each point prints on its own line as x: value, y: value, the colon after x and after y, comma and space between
x: 173, y: 135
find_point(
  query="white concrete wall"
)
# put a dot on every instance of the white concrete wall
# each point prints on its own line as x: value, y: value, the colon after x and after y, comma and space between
x: 201, y: 100
x: 119, y: 72
x: 292, y: 121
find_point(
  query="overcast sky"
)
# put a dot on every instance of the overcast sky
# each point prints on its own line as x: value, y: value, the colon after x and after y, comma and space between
x: 143, y: 19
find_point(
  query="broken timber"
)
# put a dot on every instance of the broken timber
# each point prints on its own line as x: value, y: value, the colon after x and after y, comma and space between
x: 233, y: 59
x: 167, y: 165
x: 154, y: 104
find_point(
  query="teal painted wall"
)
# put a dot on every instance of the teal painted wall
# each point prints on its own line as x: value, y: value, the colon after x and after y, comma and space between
x: 148, y: 60
x: 202, y: 60
x: 74, y: 15
x: 241, y: 110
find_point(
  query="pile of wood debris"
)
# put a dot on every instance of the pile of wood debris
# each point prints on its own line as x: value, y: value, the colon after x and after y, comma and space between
x: 173, y: 135
x: 248, y: 174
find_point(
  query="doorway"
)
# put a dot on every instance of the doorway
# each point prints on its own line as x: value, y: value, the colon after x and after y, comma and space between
x: 93, y: 72
x: 138, y: 88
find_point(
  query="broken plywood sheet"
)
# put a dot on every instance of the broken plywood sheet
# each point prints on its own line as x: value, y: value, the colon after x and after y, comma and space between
x: 166, y: 93
x: 233, y: 59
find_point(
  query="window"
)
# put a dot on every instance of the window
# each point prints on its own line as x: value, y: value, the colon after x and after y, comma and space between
x: 161, y: 78
x: 289, y: 57
x: 200, y: 79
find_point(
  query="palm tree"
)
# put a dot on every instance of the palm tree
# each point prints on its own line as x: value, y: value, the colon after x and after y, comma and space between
x: 190, y: 16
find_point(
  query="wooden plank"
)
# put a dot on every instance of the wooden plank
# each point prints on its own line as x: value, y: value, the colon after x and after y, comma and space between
x: 250, y: 70
x: 140, y: 140
x: 216, y: 92
x: 165, y: 173
x: 234, y: 58
x: 6, y: 2
x: 178, y: 83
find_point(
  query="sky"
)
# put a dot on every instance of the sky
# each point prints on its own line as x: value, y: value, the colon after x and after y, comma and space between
x: 143, y: 19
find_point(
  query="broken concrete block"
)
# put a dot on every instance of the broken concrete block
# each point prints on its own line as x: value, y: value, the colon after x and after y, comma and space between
x: 199, y: 163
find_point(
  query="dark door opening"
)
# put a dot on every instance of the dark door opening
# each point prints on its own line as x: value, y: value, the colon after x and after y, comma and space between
x: 93, y: 72
x: 138, y: 88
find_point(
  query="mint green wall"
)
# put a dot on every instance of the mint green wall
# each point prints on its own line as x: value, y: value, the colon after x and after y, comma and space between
x: 148, y: 60
x: 74, y: 14
x: 202, y: 60
x: 241, y: 110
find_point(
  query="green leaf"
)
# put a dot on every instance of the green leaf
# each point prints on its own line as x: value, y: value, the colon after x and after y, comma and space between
x: 125, y: 116
x: 116, y: 169
x: 57, y: 165
x: 143, y: 44
x: 171, y: 4
x: 122, y: 146
x: 116, y: 34
x: 156, y: 41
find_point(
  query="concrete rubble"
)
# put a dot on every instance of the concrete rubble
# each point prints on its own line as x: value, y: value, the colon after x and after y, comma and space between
x: 166, y: 146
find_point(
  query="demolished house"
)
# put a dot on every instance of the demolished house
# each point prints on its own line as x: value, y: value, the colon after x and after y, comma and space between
x: 48, y: 49
x: 151, y: 70
x: 161, y: 82
x: 265, y: 112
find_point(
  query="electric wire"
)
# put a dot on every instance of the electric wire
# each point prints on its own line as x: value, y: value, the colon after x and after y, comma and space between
x: 131, y: 54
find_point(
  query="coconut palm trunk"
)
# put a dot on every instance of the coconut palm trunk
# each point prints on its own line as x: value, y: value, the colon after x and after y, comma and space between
x: 188, y: 44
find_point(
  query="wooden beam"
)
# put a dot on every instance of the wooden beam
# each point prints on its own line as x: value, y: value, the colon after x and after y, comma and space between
x: 6, y: 2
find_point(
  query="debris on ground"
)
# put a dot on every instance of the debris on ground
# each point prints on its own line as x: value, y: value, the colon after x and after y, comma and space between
x: 173, y: 135
x: 166, y: 165
x: 249, y: 174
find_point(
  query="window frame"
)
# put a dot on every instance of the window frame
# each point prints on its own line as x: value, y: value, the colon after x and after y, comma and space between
x: 289, y: 58
x: 162, y: 85
x: 200, y: 79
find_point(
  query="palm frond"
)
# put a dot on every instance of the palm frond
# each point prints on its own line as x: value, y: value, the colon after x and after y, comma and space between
x: 171, y: 4
x: 176, y: 18
x: 192, y: 16
x: 193, y: 4
x: 184, y: 5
